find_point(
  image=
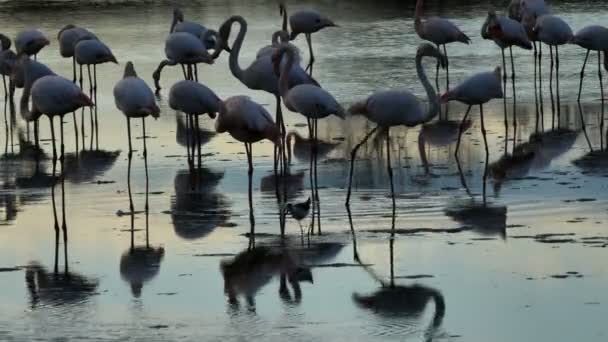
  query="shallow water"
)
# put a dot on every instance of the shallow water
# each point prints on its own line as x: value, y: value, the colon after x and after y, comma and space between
x: 527, y: 265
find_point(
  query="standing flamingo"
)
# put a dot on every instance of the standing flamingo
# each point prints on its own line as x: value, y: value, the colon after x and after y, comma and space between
x: 476, y: 90
x: 594, y: 38
x: 506, y: 32
x: 25, y: 73
x: 30, y: 42
x: 7, y: 61
x: 92, y: 52
x: 311, y: 101
x: 187, y: 50
x: 180, y: 25
x: 68, y: 37
x: 397, y: 107
x: 135, y: 99
x: 260, y: 75
x: 306, y: 22
x: 554, y: 32
x: 438, y: 31
x: 517, y: 8
x: 247, y: 122
x: 194, y: 99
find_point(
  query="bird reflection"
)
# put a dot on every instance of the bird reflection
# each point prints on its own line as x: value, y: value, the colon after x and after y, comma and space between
x: 300, y: 147
x: 251, y: 270
x: 439, y: 133
x: 398, y: 301
x: 57, y: 288
x: 196, y: 213
x: 479, y: 216
x: 291, y: 183
x: 87, y: 165
x: 535, y: 154
x: 139, y: 264
x: 187, y: 136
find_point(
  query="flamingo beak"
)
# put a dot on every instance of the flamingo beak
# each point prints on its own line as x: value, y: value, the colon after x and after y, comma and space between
x: 113, y: 59
x: 43, y: 41
x: 445, y: 97
x: 85, y: 101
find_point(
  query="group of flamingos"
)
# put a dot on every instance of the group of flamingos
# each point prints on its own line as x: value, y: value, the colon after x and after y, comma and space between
x: 277, y: 70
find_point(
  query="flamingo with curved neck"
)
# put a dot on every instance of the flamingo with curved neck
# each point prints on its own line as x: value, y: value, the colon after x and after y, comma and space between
x: 396, y: 108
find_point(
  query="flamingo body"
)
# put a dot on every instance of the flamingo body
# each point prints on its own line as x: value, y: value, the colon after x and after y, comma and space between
x: 193, y: 98
x: 477, y: 89
x: 594, y: 37
x: 69, y: 36
x: 54, y: 95
x: 308, y: 21
x: 441, y: 31
x: 93, y: 51
x: 392, y: 108
x: 185, y: 48
x: 245, y: 120
x: 553, y: 30
x: 312, y: 101
x: 506, y: 32
x: 195, y: 29
x: 133, y: 97
x: 30, y: 42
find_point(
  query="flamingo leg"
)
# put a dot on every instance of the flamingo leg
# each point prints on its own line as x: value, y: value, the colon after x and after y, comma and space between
x: 11, y: 104
x: 6, y: 128
x: 536, y: 86
x: 580, y: 84
x: 389, y: 168
x: 485, y: 141
x: 198, y: 142
x: 81, y: 83
x: 36, y: 141
x: 91, y: 114
x: 95, y: 101
x: 131, y: 207
x: 504, y: 89
x: 54, y: 178
x: 461, y: 130
x: 64, y: 227
x: 447, y: 78
x: 599, y: 75
x: 146, y: 206
x: 311, y: 175
x: 514, y: 96
x: 540, y: 85
x: 559, y: 104
x: 437, y: 72
x: 552, y: 66
x: 353, y: 154
x: 196, y: 72
x: 249, y: 150
x: 317, y: 198
x: 310, y: 52
x: 74, y: 112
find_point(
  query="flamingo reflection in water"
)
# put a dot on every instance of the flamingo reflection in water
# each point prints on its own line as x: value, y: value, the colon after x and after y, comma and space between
x: 393, y: 301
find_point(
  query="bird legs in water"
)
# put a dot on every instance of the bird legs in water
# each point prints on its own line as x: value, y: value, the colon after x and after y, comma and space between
x: 580, y: 89
x: 352, y: 162
x: 146, y: 206
x: 599, y: 75
x: 552, y: 67
x: 314, y: 181
x: 504, y: 98
x: 514, y: 98
x: 131, y: 207
x: 485, y: 140
x: 390, y: 172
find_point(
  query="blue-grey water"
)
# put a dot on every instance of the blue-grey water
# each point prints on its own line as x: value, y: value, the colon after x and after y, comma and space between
x: 527, y: 265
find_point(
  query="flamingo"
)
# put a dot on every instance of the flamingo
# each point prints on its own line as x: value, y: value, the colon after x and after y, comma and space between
x: 594, y: 38
x: 30, y: 42
x: 397, y: 107
x: 247, y: 122
x: 278, y: 38
x: 25, y: 73
x: 135, y: 99
x: 306, y: 22
x: 506, y: 32
x: 517, y: 8
x: 53, y: 96
x: 7, y: 61
x: 260, y: 74
x: 180, y: 25
x: 185, y: 49
x: 438, y: 31
x: 194, y: 99
x: 309, y: 100
x: 92, y: 52
x: 68, y: 37
x: 554, y: 32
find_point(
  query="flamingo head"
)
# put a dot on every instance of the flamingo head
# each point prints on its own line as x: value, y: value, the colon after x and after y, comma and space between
x: 282, y: 9
x: 277, y: 57
x: 65, y: 28
x: 5, y: 42
x: 429, y: 50
x: 129, y: 70
x: 224, y: 35
x: 178, y: 15
x: 84, y: 101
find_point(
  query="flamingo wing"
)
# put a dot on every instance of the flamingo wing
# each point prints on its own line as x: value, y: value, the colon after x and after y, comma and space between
x: 394, y: 107
x: 312, y: 101
x: 442, y: 31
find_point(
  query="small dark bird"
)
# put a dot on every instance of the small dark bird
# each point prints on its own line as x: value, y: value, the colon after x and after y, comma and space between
x: 299, y: 211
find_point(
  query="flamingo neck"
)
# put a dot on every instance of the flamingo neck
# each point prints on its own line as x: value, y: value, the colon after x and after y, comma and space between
x: 285, y: 69
x: 216, y: 49
x: 233, y: 61
x: 433, y: 108
x: 606, y: 60
x: 275, y: 38
x: 284, y: 12
x: 422, y: 152
x: 173, y: 23
x: 418, y: 17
